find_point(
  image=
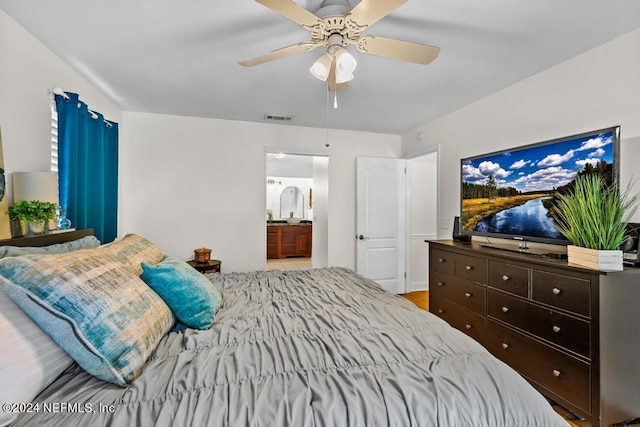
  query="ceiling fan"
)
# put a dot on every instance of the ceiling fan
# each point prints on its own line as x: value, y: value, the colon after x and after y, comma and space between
x: 336, y: 25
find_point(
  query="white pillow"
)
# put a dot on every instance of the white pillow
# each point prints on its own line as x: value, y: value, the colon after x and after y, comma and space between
x: 29, y: 360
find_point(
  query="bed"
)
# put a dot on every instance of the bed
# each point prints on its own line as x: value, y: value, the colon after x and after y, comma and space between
x: 320, y: 347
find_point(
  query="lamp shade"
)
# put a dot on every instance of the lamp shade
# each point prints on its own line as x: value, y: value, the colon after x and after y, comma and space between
x: 321, y: 68
x: 345, y: 65
x: 41, y: 186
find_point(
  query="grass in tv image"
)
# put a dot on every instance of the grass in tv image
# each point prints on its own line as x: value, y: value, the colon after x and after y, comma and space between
x: 513, y: 192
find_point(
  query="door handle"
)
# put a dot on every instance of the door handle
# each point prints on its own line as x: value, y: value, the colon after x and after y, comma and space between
x: 361, y: 237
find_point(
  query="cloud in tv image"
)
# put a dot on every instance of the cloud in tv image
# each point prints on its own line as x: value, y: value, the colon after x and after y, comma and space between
x: 512, y: 192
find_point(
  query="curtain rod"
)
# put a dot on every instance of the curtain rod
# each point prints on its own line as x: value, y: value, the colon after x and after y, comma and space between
x: 56, y: 90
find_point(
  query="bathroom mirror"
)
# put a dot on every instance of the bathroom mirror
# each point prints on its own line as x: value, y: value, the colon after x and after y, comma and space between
x: 291, y: 200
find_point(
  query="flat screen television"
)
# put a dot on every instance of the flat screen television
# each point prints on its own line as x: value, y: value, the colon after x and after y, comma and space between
x: 509, y: 194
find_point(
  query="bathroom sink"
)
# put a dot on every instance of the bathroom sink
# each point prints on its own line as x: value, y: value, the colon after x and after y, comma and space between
x: 293, y: 221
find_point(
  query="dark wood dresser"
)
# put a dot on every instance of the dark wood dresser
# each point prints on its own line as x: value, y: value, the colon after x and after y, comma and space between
x: 573, y: 333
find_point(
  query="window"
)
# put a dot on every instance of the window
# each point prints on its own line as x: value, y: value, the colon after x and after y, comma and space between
x: 54, y: 137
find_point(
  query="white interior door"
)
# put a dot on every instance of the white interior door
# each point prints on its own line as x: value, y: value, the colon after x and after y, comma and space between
x: 381, y: 221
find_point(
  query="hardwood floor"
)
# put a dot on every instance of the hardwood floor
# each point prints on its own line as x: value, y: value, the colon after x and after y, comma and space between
x: 421, y: 299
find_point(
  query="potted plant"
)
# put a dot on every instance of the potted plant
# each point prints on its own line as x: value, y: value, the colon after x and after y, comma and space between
x: 593, y: 216
x: 34, y: 213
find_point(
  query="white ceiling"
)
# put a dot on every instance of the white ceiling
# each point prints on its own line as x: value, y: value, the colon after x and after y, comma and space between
x: 180, y: 57
x: 292, y: 166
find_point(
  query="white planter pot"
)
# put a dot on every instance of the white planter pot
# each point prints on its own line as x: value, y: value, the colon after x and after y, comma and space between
x: 595, y: 259
x: 36, y: 227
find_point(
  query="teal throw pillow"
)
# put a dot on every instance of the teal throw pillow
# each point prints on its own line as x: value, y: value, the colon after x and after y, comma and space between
x: 193, y: 299
x: 94, y: 307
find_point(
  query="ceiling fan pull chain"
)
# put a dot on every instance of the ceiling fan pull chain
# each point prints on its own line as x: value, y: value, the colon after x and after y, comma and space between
x: 327, y: 118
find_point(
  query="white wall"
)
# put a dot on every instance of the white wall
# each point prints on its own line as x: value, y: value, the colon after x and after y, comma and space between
x: 320, y: 242
x: 192, y: 182
x: 597, y: 89
x: 27, y: 70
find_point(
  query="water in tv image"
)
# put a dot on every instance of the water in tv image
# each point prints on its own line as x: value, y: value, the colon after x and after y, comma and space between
x: 512, y: 192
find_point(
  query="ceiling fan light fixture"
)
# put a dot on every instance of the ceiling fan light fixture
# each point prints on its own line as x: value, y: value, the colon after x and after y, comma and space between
x: 343, y: 77
x: 321, y: 68
x: 345, y: 65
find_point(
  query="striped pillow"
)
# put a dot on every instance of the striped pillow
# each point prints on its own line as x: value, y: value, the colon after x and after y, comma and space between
x: 103, y: 315
x: 132, y: 250
x: 30, y: 360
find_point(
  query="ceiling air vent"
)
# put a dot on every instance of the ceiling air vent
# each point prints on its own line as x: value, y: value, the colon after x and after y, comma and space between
x: 278, y: 117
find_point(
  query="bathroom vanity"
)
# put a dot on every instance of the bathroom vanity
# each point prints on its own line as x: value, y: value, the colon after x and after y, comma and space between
x: 284, y: 240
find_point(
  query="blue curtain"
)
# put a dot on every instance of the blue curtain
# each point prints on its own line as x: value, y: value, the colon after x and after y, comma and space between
x: 87, y: 167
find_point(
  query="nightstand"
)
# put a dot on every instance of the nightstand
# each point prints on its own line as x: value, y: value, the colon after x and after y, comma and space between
x: 211, y: 266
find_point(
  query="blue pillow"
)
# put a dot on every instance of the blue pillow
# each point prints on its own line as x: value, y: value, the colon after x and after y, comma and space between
x: 192, y: 298
x: 94, y: 307
x: 87, y: 242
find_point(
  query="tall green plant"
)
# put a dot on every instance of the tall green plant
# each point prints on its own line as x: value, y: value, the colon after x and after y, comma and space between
x: 593, y: 214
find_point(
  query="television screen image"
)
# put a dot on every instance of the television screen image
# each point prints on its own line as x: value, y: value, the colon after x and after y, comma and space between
x: 510, y: 193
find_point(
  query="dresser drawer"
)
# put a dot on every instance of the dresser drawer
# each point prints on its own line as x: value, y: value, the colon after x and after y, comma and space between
x: 441, y: 261
x: 509, y: 278
x: 463, y: 292
x: 459, y: 317
x: 471, y: 268
x: 566, y: 331
x: 568, y: 293
x: 556, y: 371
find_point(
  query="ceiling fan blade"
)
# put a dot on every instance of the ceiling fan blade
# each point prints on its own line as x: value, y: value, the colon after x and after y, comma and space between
x: 368, y: 12
x: 279, y: 53
x: 398, y: 49
x: 292, y: 11
x: 331, y: 80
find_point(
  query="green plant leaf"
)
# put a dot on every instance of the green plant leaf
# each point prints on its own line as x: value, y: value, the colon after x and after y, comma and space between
x: 32, y: 210
x: 595, y: 215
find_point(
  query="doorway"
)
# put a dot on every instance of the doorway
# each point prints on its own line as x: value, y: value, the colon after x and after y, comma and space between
x: 397, y: 213
x: 304, y: 175
x: 422, y: 213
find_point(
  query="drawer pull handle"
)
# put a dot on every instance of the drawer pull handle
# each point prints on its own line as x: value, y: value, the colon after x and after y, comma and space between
x: 440, y: 259
x: 556, y: 373
x: 506, y: 278
x: 469, y: 268
x: 440, y: 311
x: 468, y: 295
x: 440, y: 283
x: 556, y: 329
x: 556, y: 291
x: 505, y: 345
x: 505, y: 309
x: 468, y: 326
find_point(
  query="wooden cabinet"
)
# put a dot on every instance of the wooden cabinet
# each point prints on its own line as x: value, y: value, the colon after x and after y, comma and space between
x: 570, y: 331
x: 285, y: 240
x: 273, y: 239
x: 457, y: 291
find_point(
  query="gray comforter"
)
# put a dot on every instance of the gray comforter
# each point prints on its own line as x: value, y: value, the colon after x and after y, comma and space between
x: 322, y: 347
